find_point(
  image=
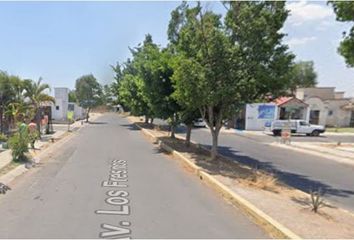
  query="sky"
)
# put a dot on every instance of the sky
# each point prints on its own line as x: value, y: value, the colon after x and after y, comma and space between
x: 60, y: 41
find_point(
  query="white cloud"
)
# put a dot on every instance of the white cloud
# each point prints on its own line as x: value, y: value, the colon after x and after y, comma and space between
x: 302, y: 11
x: 300, y: 41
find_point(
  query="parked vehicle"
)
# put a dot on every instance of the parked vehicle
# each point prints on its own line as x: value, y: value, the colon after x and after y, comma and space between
x: 296, y: 126
x: 199, y: 123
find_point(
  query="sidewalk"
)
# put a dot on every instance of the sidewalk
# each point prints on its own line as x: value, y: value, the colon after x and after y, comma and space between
x: 46, y: 141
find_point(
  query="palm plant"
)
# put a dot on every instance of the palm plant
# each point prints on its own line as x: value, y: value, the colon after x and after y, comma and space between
x: 16, y: 111
x: 36, y: 94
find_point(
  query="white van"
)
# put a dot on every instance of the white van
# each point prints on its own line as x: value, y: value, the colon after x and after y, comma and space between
x: 296, y: 126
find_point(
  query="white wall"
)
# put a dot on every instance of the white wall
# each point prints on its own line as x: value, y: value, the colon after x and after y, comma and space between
x: 256, y: 120
x: 61, y: 100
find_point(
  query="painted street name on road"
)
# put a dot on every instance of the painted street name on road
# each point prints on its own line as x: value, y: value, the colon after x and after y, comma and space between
x: 118, y: 198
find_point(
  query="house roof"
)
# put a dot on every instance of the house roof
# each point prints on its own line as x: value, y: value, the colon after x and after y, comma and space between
x: 284, y: 100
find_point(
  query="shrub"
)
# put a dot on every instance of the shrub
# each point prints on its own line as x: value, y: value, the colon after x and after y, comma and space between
x: 3, y: 137
x: 32, y: 137
x: 18, y: 143
x: 317, y: 200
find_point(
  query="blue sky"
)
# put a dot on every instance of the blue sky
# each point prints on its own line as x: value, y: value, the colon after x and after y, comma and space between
x: 61, y: 41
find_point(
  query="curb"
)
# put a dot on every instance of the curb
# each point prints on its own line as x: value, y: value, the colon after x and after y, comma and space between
x: 271, y: 226
x: 8, y: 177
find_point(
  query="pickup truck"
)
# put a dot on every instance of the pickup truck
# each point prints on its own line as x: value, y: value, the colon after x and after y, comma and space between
x: 296, y: 126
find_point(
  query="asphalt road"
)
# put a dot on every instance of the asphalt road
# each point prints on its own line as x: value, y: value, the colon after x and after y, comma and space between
x: 108, y: 181
x: 325, y: 138
x: 303, y: 171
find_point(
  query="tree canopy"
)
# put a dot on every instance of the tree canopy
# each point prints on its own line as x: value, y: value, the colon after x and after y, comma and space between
x: 88, y: 92
x: 344, y: 11
x: 303, y: 75
x: 218, y: 64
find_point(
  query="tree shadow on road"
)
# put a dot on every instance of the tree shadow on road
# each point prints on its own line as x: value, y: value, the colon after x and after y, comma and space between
x: 237, y: 165
x: 131, y: 126
x: 298, y: 181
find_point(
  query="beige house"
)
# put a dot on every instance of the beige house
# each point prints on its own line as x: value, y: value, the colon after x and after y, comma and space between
x: 328, y: 107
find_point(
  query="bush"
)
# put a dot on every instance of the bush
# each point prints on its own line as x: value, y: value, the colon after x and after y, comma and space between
x: 317, y: 200
x: 32, y: 137
x: 18, y: 143
x: 3, y: 137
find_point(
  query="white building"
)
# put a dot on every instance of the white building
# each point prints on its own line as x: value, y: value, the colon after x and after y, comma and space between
x: 259, y: 115
x: 62, y: 106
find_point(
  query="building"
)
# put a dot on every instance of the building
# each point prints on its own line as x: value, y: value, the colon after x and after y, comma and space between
x: 62, y: 106
x: 259, y: 115
x: 328, y: 107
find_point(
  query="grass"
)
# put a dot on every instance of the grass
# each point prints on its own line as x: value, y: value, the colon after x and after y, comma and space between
x: 341, y: 130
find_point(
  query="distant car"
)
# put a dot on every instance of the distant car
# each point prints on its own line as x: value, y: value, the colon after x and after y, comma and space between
x: 199, y: 122
x: 296, y: 126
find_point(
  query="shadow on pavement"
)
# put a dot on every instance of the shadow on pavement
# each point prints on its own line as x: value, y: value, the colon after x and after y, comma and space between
x: 294, y: 180
x: 98, y: 123
x: 131, y: 126
x: 228, y: 168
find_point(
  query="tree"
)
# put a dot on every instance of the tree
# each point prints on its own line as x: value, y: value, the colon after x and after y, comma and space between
x: 36, y: 93
x: 72, y: 96
x: 344, y: 11
x: 218, y: 66
x: 154, y: 69
x: 107, y: 95
x: 302, y: 75
x: 88, y: 93
x: 118, y: 70
x: 6, y: 96
x: 255, y: 27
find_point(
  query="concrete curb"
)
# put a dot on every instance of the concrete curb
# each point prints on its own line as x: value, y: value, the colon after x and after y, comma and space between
x: 8, y: 177
x: 270, y: 225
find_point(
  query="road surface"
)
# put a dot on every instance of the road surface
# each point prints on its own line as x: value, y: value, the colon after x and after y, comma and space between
x: 109, y: 181
x: 303, y: 171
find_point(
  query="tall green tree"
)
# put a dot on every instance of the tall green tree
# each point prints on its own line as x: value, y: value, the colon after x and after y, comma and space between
x: 221, y: 65
x: 254, y: 26
x: 155, y: 70
x: 36, y: 92
x: 7, y: 95
x: 344, y: 11
x: 302, y: 75
x: 88, y: 93
x: 72, y: 96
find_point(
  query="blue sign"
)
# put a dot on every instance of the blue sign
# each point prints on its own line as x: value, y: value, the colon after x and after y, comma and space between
x: 266, y: 112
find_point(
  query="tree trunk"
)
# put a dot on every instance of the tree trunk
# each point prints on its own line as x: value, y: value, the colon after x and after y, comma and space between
x: 188, y: 135
x: 151, y: 120
x: 88, y: 115
x: 214, y: 147
x: 1, y: 120
x: 173, y: 130
x: 38, y: 122
x: 146, y: 119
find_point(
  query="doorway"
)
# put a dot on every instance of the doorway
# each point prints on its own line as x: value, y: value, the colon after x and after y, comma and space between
x: 314, y: 116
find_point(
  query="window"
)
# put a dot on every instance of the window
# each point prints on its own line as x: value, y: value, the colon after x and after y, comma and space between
x: 57, y: 108
x: 302, y: 123
x: 330, y: 113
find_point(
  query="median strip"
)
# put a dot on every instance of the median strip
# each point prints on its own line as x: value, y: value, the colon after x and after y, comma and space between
x: 282, y: 211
